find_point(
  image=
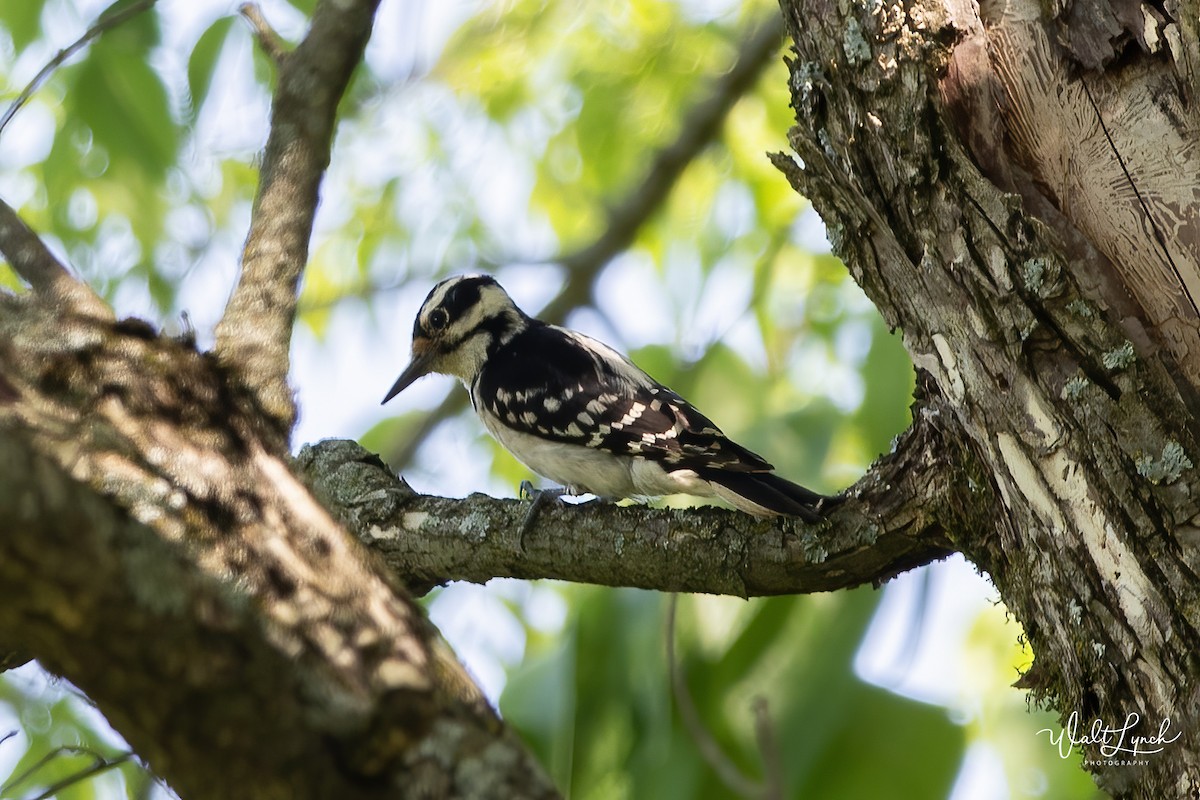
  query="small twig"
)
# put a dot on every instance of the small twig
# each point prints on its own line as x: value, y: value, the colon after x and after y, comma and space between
x: 24, y: 776
x: 101, y: 25
x: 7, y: 736
x: 710, y: 750
x: 98, y: 768
x: 270, y: 41
x: 764, y: 733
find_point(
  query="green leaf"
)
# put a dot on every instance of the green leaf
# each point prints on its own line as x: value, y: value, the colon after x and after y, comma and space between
x: 913, y: 749
x: 596, y: 704
x: 203, y: 61
x: 889, y: 381
x: 124, y: 103
x: 139, y: 30
x: 539, y: 700
x: 305, y: 6
x: 21, y: 18
x: 384, y: 435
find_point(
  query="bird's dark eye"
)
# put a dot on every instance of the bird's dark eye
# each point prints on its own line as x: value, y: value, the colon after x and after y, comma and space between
x: 437, y: 319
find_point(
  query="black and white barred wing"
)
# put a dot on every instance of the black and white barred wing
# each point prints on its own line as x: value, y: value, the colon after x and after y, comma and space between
x: 580, y: 391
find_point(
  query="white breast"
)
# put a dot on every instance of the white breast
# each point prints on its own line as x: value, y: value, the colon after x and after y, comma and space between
x: 588, y: 470
x: 580, y: 469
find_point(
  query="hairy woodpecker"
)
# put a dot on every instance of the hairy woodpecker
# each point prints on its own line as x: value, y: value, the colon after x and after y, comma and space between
x: 576, y: 411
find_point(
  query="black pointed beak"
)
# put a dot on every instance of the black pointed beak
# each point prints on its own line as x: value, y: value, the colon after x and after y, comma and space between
x: 417, y: 368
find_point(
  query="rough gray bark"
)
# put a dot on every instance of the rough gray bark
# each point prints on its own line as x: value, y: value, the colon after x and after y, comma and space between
x: 893, y: 522
x: 1023, y: 205
x: 156, y: 550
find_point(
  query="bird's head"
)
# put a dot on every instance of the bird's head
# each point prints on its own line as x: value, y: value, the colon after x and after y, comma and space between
x: 461, y: 322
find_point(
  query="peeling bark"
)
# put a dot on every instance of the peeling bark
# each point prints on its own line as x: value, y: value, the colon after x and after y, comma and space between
x: 1056, y: 324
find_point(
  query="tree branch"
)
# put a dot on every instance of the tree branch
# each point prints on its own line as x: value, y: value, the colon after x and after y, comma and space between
x: 896, y: 518
x: 254, y: 335
x: 156, y: 550
x: 49, y: 278
x: 698, y: 128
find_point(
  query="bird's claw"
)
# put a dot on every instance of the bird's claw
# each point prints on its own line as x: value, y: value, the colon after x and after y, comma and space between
x: 538, y: 499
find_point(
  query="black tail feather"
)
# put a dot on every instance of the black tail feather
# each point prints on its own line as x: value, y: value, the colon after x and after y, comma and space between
x: 774, y: 493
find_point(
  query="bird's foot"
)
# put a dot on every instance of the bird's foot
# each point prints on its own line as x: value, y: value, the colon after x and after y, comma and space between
x: 541, y: 497
x: 538, y: 499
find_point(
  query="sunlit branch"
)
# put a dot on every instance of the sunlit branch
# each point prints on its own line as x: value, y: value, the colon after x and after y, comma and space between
x: 328, y: 709
x: 254, y: 335
x: 104, y: 23
x: 33, y: 261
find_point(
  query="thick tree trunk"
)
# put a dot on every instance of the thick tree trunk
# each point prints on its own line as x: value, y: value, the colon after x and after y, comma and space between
x: 1019, y: 195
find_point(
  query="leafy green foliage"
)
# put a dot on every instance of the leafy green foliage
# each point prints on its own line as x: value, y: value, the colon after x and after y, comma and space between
x: 60, y: 740
x: 203, y: 61
x: 607, y: 729
x: 123, y: 102
x: 21, y: 20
